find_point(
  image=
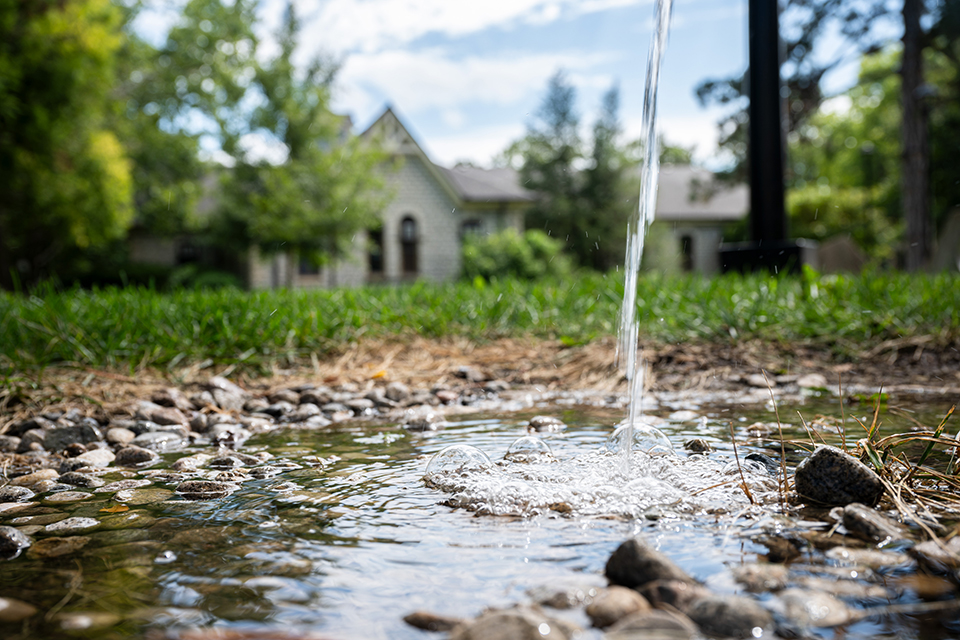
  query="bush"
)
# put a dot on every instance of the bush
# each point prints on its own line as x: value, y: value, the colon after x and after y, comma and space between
x: 507, y: 253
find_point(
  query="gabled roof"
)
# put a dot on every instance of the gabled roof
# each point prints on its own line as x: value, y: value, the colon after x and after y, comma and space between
x: 464, y: 183
x: 692, y: 194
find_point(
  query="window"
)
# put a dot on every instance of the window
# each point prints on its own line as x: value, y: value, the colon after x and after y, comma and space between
x: 375, y: 251
x: 409, y: 237
x: 471, y: 226
x: 308, y: 267
x: 686, y: 252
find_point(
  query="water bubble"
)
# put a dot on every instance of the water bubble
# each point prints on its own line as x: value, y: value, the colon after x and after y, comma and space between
x: 646, y: 438
x: 458, y: 458
x: 529, y: 449
x: 165, y: 557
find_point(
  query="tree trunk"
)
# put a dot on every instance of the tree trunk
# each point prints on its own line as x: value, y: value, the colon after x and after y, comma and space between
x: 914, y: 180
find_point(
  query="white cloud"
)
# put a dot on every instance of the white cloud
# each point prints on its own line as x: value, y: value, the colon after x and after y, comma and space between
x: 434, y: 79
x: 478, y: 146
x: 698, y: 131
x: 373, y: 25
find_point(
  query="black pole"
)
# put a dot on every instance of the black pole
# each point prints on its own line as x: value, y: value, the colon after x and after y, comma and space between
x: 768, y: 220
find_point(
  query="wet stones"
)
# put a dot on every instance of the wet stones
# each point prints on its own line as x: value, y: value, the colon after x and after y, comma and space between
x: 832, y: 477
x: 431, y: 621
x: 675, y: 594
x: 731, y: 616
x: 870, y: 525
x: 519, y: 623
x: 94, y: 458
x: 161, y: 415
x: 939, y: 557
x: 13, y: 610
x: 653, y: 625
x: 135, y: 456
x: 70, y: 526
x: 205, y: 489
x: 545, y: 424
x: 12, y: 542
x: 13, y: 493
x: 809, y: 608
x: 614, y: 603
x: 56, y: 547
x: 634, y: 564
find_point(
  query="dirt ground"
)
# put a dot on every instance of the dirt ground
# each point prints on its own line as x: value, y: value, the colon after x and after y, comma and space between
x: 899, y: 366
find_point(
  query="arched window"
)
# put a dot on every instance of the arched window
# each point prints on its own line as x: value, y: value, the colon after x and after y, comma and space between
x: 375, y: 251
x: 409, y: 238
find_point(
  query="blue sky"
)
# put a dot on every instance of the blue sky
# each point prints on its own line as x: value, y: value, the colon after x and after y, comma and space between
x: 466, y: 76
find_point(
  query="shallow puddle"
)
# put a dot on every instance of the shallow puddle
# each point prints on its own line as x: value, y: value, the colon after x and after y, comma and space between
x: 338, y: 532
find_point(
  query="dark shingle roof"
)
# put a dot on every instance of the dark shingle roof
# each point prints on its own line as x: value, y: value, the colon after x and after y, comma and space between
x: 474, y: 184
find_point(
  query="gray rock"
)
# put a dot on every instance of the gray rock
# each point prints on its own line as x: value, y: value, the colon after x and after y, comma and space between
x: 285, y: 395
x: 30, y: 479
x: 397, y: 391
x: 96, y: 457
x: 613, y: 604
x: 302, y: 413
x: 81, y: 480
x: 222, y: 384
x: 191, y: 463
x: 808, y: 608
x: 160, y: 415
x: 72, y: 525
x: 759, y: 578
x: 12, y: 493
x: 56, y: 547
x: 832, y: 477
x: 431, y: 621
x: 653, y: 625
x: 731, y: 616
x: 256, y: 405
x: 159, y: 440
x: 205, y: 489
x: 228, y: 401
x: 812, y: 381
x: 172, y: 397
x: 697, y: 445
x: 9, y: 444
x: 334, y: 407
x: 228, y: 434
x: 120, y: 436
x: 379, y: 398
x: 12, y: 542
x: 870, y: 525
x: 202, y: 400
x: 359, y: 406
x: 31, y: 440
x: 278, y: 409
x: 519, y: 623
x: 634, y: 564
x: 134, y: 456
x: 57, y: 438
x: 938, y: 559
x: 319, y: 396
x: 546, y: 424
x: 37, y: 422
x: 677, y: 594
x: 423, y: 421
x: 123, y: 485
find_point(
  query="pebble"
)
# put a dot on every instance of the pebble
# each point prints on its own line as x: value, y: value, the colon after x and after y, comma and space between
x: 137, y: 497
x: 158, y: 440
x: 420, y: 421
x: 431, y: 621
x: 397, y: 391
x: 761, y: 577
x: 71, y: 525
x: 868, y: 557
x: 160, y: 415
x: 134, y: 456
x: 77, y: 479
x: 56, y: 547
x: 614, y: 603
x: 731, y: 616
x: 697, y: 445
x: 205, y: 489
x: 519, y: 623
x: 13, y: 610
x: 673, y: 593
x: 634, y: 564
x: 58, y: 438
x: 871, y: 525
x: 812, y: 381
x: 120, y: 436
x: 813, y: 608
x: 832, y: 477
x: 8, y: 443
x: 285, y: 395
x: 14, y: 493
x: 547, y: 424
x: 932, y: 556
x: 12, y: 542
x: 121, y: 485
x: 67, y: 496
x: 653, y: 625
x: 191, y: 463
x: 172, y: 397
x: 32, y: 478
x: 96, y: 458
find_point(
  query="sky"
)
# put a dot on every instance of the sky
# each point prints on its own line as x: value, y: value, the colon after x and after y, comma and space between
x: 467, y: 77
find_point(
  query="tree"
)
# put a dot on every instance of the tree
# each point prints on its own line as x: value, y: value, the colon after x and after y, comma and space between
x: 914, y: 178
x: 67, y: 179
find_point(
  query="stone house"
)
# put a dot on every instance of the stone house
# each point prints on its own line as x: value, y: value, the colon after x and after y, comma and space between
x: 431, y: 209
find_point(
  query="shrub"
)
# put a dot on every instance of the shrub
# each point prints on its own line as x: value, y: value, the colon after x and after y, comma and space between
x: 190, y: 276
x: 507, y: 253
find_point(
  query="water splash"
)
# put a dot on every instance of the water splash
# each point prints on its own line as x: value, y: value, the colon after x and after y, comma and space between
x: 629, y: 344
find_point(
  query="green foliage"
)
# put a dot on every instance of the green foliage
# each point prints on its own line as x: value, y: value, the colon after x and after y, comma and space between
x: 67, y: 184
x: 507, y: 254
x: 126, y: 327
x: 191, y: 276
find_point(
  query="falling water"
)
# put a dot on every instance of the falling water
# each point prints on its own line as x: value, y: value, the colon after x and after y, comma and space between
x: 627, y: 356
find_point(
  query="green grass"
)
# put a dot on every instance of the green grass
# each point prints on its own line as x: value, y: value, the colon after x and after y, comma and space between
x: 126, y: 328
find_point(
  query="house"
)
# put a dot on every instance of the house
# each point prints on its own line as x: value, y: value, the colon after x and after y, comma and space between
x: 431, y: 209
x: 693, y: 208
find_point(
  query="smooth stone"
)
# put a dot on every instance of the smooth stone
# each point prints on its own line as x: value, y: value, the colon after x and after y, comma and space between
x: 36, y: 422
x: 10, y: 508
x: 812, y: 381
x: 869, y: 558
x: 697, y: 445
x: 379, y: 398
x: 317, y: 422
x: 205, y: 489
x: 546, y: 424
x: 653, y: 625
x: 871, y: 525
x: 760, y: 381
x: 813, y: 608
x: 731, y: 616
x: 930, y: 555
x: 80, y: 621
x: 563, y: 597
x: 58, y: 438
x: 97, y: 457
x: 420, y: 421
x: 680, y: 595
x: 226, y: 462
x: 634, y: 564
x: 519, y: 623
x: 613, y: 604
x: 137, y: 497
x: 31, y: 441
x: 431, y: 621
x: 159, y: 414
x: 12, y: 542
x: 85, y: 480
x: 56, y: 547
x: 35, y: 477
x: 255, y: 405
x: 71, y: 525
x: 128, y: 520
x: 135, y: 456
x: 228, y: 401
x: 120, y: 485
x: 40, y: 519
x: 67, y: 496
x: 223, y: 384
x: 758, y: 578
x: 9, y: 444
x: 120, y: 436
x: 780, y: 548
x: 359, y: 406
x: 191, y: 463
x: 202, y: 400
x: 228, y: 433
x: 13, y: 610
x: 396, y: 391
x: 278, y: 409
x: 13, y: 493
x: 158, y: 440
x: 303, y: 413
x: 172, y: 397
x: 846, y: 588
x: 832, y: 477
x: 284, y: 395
